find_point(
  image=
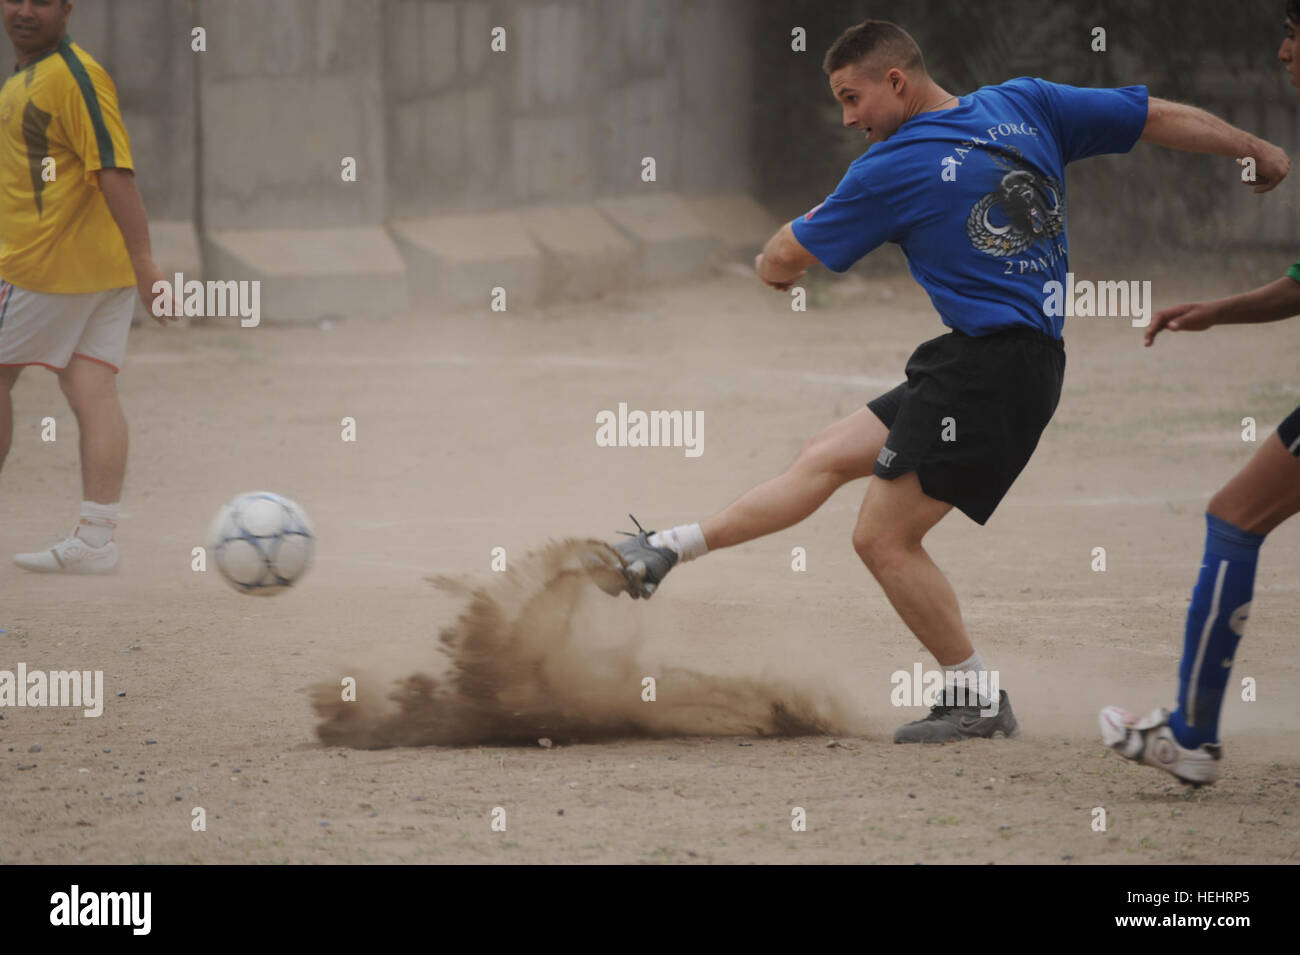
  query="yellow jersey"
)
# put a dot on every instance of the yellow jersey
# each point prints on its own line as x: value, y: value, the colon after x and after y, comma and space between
x: 59, y: 125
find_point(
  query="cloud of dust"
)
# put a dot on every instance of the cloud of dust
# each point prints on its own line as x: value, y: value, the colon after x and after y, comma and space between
x: 540, y: 651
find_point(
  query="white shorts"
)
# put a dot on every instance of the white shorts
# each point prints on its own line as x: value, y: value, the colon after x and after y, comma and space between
x: 44, y: 328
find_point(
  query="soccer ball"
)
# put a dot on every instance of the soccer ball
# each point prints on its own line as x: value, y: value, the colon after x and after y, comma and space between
x: 261, y: 542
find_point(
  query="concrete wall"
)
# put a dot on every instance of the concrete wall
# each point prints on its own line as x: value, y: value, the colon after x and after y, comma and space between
x: 584, y: 91
x: 409, y: 88
x: 288, y: 88
x: 242, y: 144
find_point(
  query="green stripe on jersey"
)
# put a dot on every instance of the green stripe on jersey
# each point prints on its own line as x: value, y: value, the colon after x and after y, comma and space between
x: 102, y: 137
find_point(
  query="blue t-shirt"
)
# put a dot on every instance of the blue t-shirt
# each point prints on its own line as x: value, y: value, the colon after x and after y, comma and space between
x: 975, y: 197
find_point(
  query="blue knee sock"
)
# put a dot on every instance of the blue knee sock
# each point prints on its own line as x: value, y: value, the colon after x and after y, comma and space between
x: 1215, y: 621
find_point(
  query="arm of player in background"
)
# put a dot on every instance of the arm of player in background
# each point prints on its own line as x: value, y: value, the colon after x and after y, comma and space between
x: 1179, y: 126
x: 124, y: 202
x: 783, y: 260
x: 1268, y: 303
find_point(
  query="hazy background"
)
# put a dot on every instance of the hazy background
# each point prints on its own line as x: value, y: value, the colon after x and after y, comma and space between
x: 250, y: 134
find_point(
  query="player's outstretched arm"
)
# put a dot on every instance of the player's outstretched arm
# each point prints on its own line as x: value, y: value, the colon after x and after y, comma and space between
x: 1269, y: 303
x: 1179, y: 126
x: 783, y: 260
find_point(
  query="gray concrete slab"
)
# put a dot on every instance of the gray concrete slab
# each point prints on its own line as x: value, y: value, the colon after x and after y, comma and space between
x: 455, y: 262
x: 311, y: 274
x: 584, y: 254
x: 673, y: 243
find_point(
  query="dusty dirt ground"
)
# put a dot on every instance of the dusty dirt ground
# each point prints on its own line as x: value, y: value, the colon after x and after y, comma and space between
x: 475, y: 432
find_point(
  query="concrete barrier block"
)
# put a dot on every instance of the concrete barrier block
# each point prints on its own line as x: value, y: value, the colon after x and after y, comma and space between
x: 673, y: 244
x: 233, y: 47
x: 338, y: 48
x: 584, y: 255
x: 739, y: 223
x: 284, y: 31
x: 139, y: 78
x: 455, y: 261
x: 551, y: 157
x: 547, y: 41
x: 423, y: 47
x: 475, y: 35
x: 637, y: 121
x: 311, y: 274
x: 279, y: 162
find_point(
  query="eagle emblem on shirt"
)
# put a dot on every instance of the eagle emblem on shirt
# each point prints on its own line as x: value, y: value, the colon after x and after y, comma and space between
x: 1025, y: 209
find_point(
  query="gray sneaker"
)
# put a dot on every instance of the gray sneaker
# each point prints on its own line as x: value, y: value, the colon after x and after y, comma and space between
x: 643, y: 567
x: 948, y: 724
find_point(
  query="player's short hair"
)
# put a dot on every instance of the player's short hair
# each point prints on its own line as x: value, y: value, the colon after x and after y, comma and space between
x: 1293, y: 10
x: 874, y: 46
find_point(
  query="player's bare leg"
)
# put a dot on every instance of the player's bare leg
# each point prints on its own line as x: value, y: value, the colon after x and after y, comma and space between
x: 7, y: 378
x: 840, y: 453
x: 91, y: 390
x: 1262, y: 495
x: 894, y: 519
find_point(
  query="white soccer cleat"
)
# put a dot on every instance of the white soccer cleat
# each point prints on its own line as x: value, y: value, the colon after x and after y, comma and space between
x: 72, y: 555
x: 1150, y: 741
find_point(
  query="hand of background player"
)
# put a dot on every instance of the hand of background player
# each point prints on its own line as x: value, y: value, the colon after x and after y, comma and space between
x: 146, y: 274
x: 779, y: 286
x: 1189, y: 317
x: 1271, y: 166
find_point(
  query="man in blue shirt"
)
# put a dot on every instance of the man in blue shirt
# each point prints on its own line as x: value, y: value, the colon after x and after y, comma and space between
x: 971, y: 188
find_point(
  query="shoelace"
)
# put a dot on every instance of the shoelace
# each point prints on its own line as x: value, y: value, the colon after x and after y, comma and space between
x: 641, y: 531
x: 940, y: 710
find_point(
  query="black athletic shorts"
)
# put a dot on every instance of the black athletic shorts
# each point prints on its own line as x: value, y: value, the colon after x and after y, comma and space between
x: 1289, y: 432
x: 970, y: 414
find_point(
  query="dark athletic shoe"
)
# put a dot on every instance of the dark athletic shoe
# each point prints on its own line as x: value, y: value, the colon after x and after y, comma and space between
x: 643, y: 567
x: 948, y: 724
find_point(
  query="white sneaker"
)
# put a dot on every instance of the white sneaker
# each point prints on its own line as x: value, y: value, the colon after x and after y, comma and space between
x: 72, y: 555
x: 1151, y: 741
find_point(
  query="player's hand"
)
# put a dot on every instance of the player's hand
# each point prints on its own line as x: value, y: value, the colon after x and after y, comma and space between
x: 1189, y: 317
x: 779, y: 286
x: 146, y: 275
x: 1271, y: 166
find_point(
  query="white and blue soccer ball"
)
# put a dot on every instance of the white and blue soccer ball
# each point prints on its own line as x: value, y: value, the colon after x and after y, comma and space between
x: 262, y: 542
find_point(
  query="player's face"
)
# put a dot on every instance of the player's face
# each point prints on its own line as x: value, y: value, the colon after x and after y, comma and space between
x: 873, y: 107
x: 1287, y: 54
x: 35, y: 25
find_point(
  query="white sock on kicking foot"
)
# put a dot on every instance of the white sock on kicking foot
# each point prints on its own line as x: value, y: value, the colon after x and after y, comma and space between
x: 686, y: 540
x: 972, y: 664
x: 97, y: 524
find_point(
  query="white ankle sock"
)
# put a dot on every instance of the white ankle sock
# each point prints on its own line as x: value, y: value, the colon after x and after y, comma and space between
x: 972, y: 664
x: 97, y: 524
x: 687, y: 540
